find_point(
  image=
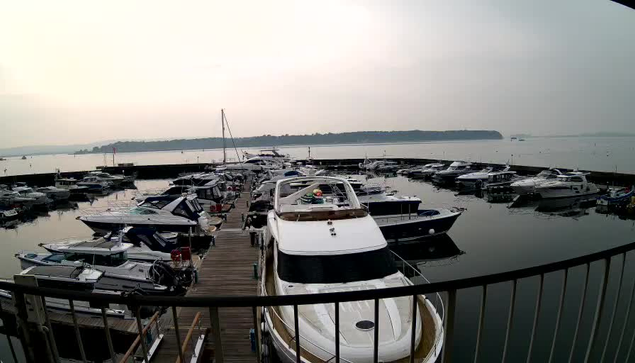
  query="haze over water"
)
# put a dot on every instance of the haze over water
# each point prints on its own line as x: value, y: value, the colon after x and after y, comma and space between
x: 585, y: 153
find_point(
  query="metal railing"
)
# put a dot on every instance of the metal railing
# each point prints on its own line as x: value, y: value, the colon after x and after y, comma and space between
x: 595, y: 342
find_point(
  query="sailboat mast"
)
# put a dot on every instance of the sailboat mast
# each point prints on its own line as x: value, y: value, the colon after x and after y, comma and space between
x: 222, y: 121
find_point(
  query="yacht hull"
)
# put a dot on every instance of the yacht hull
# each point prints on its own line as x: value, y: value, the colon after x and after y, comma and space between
x: 107, y: 227
x: 405, y: 228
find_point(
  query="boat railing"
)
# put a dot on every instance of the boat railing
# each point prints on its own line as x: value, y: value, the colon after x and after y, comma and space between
x: 417, y: 277
x: 596, y: 327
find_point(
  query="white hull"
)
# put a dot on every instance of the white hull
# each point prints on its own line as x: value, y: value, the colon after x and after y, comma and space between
x: 549, y: 193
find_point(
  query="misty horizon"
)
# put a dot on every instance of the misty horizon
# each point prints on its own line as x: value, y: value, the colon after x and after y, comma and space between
x: 77, y: 73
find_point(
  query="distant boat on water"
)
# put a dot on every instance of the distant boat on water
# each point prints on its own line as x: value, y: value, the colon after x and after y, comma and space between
x: 23, y: 157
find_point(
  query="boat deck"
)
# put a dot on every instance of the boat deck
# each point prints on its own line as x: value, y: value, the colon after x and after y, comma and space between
x: 227, y: 269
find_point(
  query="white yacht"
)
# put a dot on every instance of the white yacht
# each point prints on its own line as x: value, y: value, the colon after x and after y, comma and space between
x: 109, y: 257
x: 501, y: 179
x: 55, y: 194
x: 163, y: 213
x: 567, y: 185
x: 70, y: 278
x: 528, y: 185
x: 70, y: 184
x: 39, y: 199
x: 472, y: 180
x: 326, y: 242
x: 94, y: 184
x: 426, y: 171
x: 113, y: 180
x: 455, y: 170
x: 11, y: 198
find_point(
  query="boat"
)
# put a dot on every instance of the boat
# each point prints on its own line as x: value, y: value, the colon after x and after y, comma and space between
x: 476, y: 179
x: 398, y: 228
x: 425, y: 172
x: 55, y: 194
x: 498, y: 180
x: 330, y: 244
x: 72, y: 278
x: 378, y: 202
x: 148, y: 244
x: 110, y: 257
x: 455, y: 170
x: 70, y: 184
x: 387, y: 166
x: 94, y: 184
x: 113, y: 180
x: 616, y: 196
x: 528, y: 185
x: 9, y: 214
x: 163, y: 213
x: 12, y: 198
x: 273, y: 154
x: 23, y: 157
x: 574, y: 184
x: 39, y: 199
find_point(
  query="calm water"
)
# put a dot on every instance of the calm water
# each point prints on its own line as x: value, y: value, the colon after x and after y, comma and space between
x: 487, y: 238
x: 601, y: 154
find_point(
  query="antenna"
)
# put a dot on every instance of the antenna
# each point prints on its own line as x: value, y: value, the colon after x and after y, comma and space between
x: 222, y: 121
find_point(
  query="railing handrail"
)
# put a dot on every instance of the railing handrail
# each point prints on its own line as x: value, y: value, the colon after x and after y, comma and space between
x: 308, y: 299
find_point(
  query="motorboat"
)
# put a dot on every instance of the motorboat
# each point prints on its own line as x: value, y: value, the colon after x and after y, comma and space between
x: 12, y: 198
x: 498, y: 180
x: 388, y: 166
x: 474, y: 180
x: 426, y: 171
x: 617, y: 196
x: 273, y: 154
x: 528, y: 185
x: 209, y: 196
x: 327, y: 242
x: 39, y: 199
x: 455, y: 170
x: 163, y: 213
x: 567, y: 185
x: 9, y: 214
x: 70, y: 184
x: 114, y: 180
x: 55, y: 194
x: 408, y: 227
x: 382, y: 203
x: 94, y: 184
x: 110, y: 257
x: 80, y: 278
x: 148, y: 244
x: 195, y: 179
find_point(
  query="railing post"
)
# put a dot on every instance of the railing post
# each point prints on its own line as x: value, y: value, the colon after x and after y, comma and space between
x: 448, y: 329
x: 218, y: 344
x: 597, y: 318
x: 296, y: 322
x: 9, y: 341
x: 376, y: 333
x: 22, y: 317
x: 111, y: 349
x: 536, y: 316
x: 580, y: 311
x: 510, y: 318
x: 481, y: 322
x: 337, y: 332
x: 413, y: 336
x: 78, y: 334
x: 51, y: 336
x: 256, y: 331
x: 142, y: 339
x: 559, y: 314
x: 628, y: 313
x: 617, y: 300
x: 177, y: 333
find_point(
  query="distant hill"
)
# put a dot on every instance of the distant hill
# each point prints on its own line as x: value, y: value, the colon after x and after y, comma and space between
x: 48, y: 149
x: 285, y: 140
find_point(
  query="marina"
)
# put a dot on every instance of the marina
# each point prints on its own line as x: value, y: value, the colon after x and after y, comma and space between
x: 230, y: 265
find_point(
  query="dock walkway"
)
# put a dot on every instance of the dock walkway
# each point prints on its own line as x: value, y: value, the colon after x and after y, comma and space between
x: 226, y: 270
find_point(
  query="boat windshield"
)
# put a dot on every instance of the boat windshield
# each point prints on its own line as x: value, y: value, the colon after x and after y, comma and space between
x: 114, y: 260
x: 547, y: 174
x: 331, y: 269
x: 143, y: 211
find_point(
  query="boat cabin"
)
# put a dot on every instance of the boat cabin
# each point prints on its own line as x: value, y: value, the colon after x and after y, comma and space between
x: 64, y: 277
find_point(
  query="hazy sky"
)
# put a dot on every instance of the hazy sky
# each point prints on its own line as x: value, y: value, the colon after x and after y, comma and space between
x: 84, y: 71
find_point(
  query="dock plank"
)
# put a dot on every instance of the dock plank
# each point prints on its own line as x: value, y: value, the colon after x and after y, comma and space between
x: 227, y: 269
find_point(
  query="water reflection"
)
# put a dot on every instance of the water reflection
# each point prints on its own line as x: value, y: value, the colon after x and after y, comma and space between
x: 428, y: 252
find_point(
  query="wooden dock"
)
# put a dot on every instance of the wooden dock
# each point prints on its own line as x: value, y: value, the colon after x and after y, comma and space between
x: 227, y: 269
